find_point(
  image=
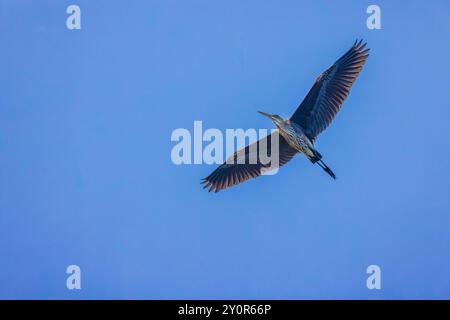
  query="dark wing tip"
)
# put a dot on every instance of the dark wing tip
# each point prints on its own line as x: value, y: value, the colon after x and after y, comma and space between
x: 221, y: 178
x: 359, y: 45
x: 359, y: 52
x: 215, y: 181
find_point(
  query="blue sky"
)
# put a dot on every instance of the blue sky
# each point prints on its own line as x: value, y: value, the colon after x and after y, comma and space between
x: 86, y: 176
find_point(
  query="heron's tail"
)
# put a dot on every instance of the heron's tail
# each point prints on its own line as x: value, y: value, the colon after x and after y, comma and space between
x: 325, y: 167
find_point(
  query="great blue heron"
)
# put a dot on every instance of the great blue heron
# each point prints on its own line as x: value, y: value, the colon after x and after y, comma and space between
x: 298, y: 134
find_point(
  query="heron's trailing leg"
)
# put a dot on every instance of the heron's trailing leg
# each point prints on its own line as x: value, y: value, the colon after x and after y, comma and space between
x: 327, y: 170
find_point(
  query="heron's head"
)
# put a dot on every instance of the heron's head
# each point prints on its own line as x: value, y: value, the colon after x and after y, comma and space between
x: 279, y: 122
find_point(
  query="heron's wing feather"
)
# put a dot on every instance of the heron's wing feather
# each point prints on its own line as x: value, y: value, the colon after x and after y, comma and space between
x: 329, y: 91
x: 249, y: 163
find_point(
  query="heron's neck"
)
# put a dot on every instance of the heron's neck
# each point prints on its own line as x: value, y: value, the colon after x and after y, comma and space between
x: 284, y: 126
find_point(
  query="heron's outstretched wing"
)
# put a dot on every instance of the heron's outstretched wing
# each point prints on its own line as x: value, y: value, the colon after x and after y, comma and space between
x: 329, y: 91
x: 246, y: 163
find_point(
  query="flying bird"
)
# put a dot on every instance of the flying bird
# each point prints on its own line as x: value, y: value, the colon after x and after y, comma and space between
x: 298, y: 133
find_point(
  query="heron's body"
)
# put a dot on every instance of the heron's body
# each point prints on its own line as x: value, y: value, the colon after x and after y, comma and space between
x: 296, y: 138
x: 298, y: 133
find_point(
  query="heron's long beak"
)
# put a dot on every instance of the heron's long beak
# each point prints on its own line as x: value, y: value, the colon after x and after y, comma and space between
x: 266, y: 114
